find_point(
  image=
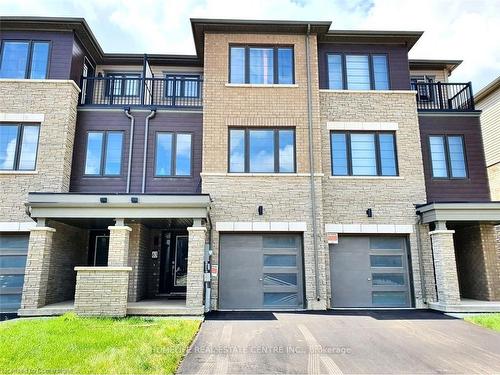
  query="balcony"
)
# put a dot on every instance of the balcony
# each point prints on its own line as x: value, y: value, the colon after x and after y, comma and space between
x: 437, y: 96
x: 171, y: 92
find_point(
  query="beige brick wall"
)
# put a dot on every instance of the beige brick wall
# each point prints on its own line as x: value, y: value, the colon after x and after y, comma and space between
x: 494, y: 179
x: 194, y: 284
x: 57, y: 100
x: 346, y: 199
x: 139, y: 258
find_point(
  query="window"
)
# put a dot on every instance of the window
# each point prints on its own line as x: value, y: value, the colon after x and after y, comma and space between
x: 24, y: 59
x: 18, y: 146
x: 123, y: 84
x: 363, y: 154
x: 262, y: 150
x: 183, y: 86
x: 447, y: 156
x: 261, y: 64
x: 173, y: 154
x: 104, y: 153
x: 357, y: 71
x: 424, y: 87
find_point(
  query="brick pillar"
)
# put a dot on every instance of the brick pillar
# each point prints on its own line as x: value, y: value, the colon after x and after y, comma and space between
x: 119, y: 237
x: 194, y: 289
x: 445, y: 266
x: 37, y: 268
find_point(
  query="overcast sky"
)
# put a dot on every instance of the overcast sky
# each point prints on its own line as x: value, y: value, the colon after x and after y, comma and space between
x: 454, y: 29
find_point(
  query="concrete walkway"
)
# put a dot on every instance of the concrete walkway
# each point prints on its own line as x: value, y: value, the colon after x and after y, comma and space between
x: 382, y: 342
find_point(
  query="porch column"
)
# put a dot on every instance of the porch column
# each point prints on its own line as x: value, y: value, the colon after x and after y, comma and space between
x: 445, y: 265
x: 119, y: 238
x: 196, y: 248
x: 37, y: 268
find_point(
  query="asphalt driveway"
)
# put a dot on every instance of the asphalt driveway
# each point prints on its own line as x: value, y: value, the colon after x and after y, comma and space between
x: 382, y: 342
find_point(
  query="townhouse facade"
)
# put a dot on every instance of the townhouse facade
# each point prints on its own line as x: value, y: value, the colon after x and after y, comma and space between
x: 285, y: 166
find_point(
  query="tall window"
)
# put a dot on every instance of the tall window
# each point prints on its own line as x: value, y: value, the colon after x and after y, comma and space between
x: 261, y: 150
x: 357, y: 72
x: 24, y: 59
x: 123, y: 84
x: 261, y: 65
x: 173, y: 154
x: 447, y: 156
x: 18, y: 146
x: 104, y: 153
x: 363, y: 154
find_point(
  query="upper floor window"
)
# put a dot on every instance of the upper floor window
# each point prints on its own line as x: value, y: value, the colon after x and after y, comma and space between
x: 357, y: 72
x: 262, y: 150
x: 447, y: 156
x: 18, y: 146
x: 183, y: 85
x: 104, y: 153
x: 363, y: 154
x: 123, y: 84
x: 173, y: 154
x: 24, y: 59
x: 261, y: 64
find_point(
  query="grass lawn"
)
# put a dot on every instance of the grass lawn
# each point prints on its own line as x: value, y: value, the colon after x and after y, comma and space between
x: 69, y: 344
x: 491, y: 321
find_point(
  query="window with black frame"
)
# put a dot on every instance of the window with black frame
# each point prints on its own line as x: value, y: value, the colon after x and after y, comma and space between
x: 261, y: 64
x: 447, y: 154
x: 104, y: 153
x: 363, y: 153
x: 262, y: 150
x: 18, y: 146
x: 182, y: 86
x: 24, y: 59
x: 123, y: 84
x: 173, y: 154
x: 358, y: 71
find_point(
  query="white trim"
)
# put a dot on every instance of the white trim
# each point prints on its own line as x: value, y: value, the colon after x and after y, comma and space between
x: 260, y: 226
x: 100, y: 269
x: 17, y: 172
x: 264, y: 85
x: 16, y: 226
x: 369, y: 228
x: 120, y: 227
x: 359, y: 125
x: 22, y: 117
x: 366, y: 177
x: 224, y: 174
x: 441, y: 231
x: 370, y: 91
x: 45, y: 81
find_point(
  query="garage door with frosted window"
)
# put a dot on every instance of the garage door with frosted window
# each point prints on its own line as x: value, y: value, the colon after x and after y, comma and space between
x: 370, y: 272
x: 260, y: 272
x: 13, y: 252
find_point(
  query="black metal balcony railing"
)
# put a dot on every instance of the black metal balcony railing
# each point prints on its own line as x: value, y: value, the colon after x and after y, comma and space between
x: 171, y: 92
x: 444, y: 96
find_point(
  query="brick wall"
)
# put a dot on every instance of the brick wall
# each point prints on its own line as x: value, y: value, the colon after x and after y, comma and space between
x: 57, y: 100
x: 139, y: 258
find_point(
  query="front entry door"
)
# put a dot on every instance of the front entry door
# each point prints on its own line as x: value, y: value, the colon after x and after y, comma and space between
x: 173, y: 269
x: 98, y: 248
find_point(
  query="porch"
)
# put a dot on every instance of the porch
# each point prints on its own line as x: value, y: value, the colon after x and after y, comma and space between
x: 116, y: 255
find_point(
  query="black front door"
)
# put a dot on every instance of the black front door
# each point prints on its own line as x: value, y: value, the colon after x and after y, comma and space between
x: 98, y: 248
x: 173, y: 266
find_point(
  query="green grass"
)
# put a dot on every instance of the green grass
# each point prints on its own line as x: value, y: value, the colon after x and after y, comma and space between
x: 491, y: 321
x: 69, y: 344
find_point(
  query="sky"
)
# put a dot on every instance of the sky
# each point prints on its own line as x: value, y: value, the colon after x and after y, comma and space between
x: 466, y: 30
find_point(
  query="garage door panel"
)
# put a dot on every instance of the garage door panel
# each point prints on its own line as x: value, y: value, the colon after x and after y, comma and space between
x: 369, y: 272
x: 273, y: 272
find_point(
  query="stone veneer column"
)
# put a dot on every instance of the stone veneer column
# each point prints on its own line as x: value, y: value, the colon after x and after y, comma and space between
x: 37, y: 268
x: 445, y: 265
x: 119, y: 237
x: 196, y: 248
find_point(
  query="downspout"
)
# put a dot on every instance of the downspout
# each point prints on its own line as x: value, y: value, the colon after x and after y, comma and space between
x: 131, y: 142
x: 144, y: 157
x: 311, y: 164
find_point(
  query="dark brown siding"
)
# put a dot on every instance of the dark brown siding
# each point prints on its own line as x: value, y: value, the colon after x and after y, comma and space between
x: 77, y: 58
x: 399, y: 73
x: 475, y: 188
x: 116, y: 120
x: 61, y: 49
